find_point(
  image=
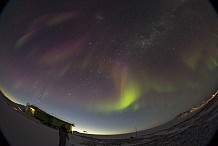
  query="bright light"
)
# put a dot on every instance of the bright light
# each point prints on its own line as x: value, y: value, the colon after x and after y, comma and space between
x: 71, y: 128
x: 32, y: 110
x: 204, y: 103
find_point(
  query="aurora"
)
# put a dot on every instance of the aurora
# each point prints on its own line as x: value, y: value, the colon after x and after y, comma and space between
x: 109, y: 66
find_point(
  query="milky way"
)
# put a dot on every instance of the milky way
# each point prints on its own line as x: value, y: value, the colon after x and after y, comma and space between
x: 109, y: 66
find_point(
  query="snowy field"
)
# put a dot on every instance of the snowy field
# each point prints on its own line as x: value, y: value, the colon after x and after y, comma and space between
x: 193, y: 129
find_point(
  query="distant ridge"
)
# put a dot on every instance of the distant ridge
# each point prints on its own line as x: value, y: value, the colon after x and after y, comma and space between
x: 201, y: 106
x: 10, y: 102
x: 3, y: 95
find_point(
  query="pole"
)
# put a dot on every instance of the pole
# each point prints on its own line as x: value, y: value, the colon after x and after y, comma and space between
x: 136, y: 131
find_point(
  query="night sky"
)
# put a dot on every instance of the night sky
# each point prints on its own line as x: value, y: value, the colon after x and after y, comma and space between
x: 109, y: 66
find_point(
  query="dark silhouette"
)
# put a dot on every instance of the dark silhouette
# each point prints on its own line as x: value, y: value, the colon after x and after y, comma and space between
x: 63, y: 135
x: 3, y: 141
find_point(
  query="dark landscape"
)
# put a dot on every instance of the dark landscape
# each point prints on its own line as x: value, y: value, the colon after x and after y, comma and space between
x: 195, y: 127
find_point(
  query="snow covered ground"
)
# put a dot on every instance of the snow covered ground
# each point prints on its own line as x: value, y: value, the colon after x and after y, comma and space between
x: 194, y: 129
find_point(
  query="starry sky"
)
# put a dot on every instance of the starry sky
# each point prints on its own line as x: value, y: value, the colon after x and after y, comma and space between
x: 109, y: 66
